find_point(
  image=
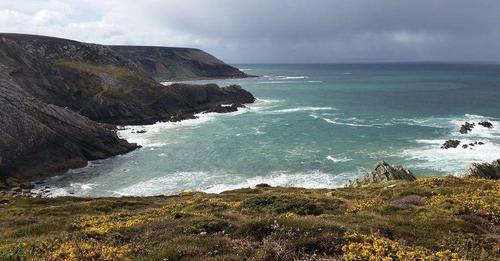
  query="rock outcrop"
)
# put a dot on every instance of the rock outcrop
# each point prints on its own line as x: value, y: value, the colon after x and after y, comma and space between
x: 169, y: 63
x: 383, y: 172
x: 486, y: 124
x: 58, y: 96
x: 484, y: 170
x: 466, y: 127
x: 450, y: 144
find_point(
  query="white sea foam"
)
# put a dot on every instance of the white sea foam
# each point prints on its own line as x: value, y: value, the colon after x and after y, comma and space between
x: 454, y: 160
x: 291, y: 77
x: 287, y: 82
x: 211, y: 182
x: 338, y: 121
x: 337, y: 159
x: 313, y: 179
x: 302, y: 108
x: 151, y: 138
x: 75, y: 188
x: 174, y: 183
x: 244, y: 70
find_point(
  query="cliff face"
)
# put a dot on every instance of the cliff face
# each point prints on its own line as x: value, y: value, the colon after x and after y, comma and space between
x: 168, y: 63
x: 97, y: 82
x: 37, y: 138
x: 54, y: 91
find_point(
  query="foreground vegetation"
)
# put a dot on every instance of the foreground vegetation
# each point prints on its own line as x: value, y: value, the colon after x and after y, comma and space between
x: 428, y: 219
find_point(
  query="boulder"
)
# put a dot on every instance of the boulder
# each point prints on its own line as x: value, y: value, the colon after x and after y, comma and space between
x: 466, y: 127
x: 383, y: 172
x: 484, y: 170
x: 450, y: 144
x: 486, y: 124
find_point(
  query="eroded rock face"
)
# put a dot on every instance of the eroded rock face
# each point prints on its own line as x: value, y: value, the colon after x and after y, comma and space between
x: 170, y: 63
x: 383, y: 172
x: 484, y: 170
x: 37, y: 138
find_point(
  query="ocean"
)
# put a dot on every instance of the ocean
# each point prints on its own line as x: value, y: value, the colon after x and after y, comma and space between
x: 313, y: 126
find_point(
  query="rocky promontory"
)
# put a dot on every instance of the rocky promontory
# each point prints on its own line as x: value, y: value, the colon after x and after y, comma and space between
x: 60, y: 100
x: 171, y: 63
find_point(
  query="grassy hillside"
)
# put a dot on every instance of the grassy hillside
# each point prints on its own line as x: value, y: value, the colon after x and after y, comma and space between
x: 428, y: 219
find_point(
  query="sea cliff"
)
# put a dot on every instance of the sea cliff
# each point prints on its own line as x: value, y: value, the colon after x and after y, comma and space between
x: 60, y: 100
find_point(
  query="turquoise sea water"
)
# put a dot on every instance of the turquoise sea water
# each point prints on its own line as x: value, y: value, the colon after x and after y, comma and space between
x: 312, y: 126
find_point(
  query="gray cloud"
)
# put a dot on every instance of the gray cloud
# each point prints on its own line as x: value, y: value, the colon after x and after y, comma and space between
x: 276, y: 31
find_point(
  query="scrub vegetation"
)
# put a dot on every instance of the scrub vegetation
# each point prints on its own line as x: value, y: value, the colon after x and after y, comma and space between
x: 444, y: 218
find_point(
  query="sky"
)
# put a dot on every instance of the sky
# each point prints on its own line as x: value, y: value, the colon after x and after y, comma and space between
x: 266, y: 31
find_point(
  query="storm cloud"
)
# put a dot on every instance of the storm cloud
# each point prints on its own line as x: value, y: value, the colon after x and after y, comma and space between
x: 276, y: 31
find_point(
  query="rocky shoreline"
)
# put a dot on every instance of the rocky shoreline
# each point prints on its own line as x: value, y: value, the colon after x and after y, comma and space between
x: 60, y: 100
x: 15, y: 187
x: 383, y: 173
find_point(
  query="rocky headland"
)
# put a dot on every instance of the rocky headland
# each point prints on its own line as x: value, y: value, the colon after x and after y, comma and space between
x: 61, y: 99
x: 177, y: 64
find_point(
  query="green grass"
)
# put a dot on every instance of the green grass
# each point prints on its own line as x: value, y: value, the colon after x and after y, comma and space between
x: 441, y: 218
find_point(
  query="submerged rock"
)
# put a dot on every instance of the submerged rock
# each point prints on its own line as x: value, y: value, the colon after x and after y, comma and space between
x: 450, y: 144
x: 466, y: 127
x: 486, y: 124
x: 484, y: 170
x: 383, y: 172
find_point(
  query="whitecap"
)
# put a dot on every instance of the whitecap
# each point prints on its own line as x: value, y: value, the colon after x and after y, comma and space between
x: 291, y: 77
x: 337, y: 159
x: 170, y: 184
x: 150, y: 137
x: 302, y: 108
x: 312, y: 180
x: 352, y: 124
x: 453, y: 160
